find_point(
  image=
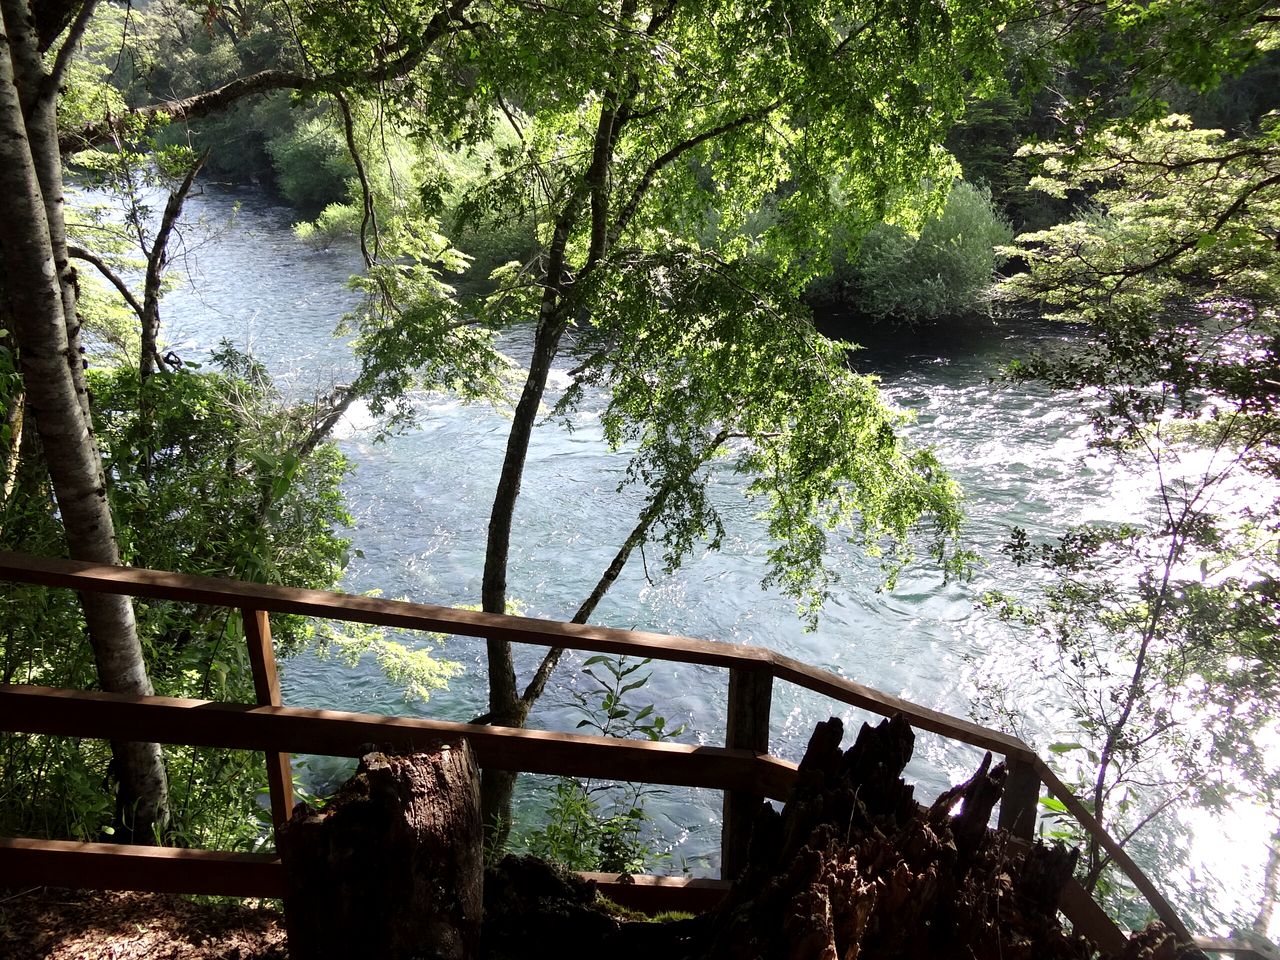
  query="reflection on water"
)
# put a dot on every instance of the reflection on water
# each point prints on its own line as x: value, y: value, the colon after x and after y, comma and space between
x: 421, y: 505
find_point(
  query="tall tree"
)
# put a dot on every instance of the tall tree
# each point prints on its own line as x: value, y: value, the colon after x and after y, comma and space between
x: 39, y: 287
x: 683, y: 162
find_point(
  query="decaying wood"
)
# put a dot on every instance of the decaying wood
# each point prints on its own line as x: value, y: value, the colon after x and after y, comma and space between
x: 853, y: 867
x: 392, y: 867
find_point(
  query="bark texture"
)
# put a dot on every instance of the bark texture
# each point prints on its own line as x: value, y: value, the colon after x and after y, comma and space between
x: 392, y: 867
x: 853, y: 867
x: 39, y: 284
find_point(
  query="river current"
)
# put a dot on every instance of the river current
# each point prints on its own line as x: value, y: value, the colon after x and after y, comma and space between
x: 421, y: 499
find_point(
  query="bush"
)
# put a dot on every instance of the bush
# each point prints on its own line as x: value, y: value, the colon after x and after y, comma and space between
x: 943, y: 272
x: 312, y: 165
x: 200, y: 480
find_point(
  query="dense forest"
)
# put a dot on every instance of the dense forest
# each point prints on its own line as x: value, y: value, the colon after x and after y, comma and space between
x: 693, y: 206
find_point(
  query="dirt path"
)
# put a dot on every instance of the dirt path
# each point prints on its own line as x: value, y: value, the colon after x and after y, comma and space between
x: 52, y: 924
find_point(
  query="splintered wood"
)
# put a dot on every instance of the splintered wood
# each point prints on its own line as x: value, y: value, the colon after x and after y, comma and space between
x: 852, y: 868
x: 391, y: 865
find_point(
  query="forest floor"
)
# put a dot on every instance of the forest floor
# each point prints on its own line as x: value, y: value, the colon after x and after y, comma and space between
x: 51, y: 924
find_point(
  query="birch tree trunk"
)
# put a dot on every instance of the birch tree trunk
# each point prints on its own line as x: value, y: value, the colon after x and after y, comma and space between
x: 41, y: 290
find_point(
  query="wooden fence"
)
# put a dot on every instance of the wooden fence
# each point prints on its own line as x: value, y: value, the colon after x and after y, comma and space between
x: 742, y: 768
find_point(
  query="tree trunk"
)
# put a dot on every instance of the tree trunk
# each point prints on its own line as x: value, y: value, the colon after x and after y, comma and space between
x: 40, y: 286
x: 392, y: 867
x: 506, y: 707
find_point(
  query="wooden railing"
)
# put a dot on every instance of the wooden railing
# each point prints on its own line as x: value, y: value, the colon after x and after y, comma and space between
x: 742, y: 768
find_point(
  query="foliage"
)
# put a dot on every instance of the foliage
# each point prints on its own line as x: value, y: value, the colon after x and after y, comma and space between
x: 409, y: 664
x: 203, y: 482
x: 217, y: 456
x: 1166, y: 629
x: 612, y: 716
x: 944, y: 271
x: 412, y: 179
x: 592, y: 826
x: 311, y: 164
x: 580, y: 836
x: 728, y: 372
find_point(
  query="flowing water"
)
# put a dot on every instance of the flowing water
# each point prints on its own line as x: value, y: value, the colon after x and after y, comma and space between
x: 421, y: 503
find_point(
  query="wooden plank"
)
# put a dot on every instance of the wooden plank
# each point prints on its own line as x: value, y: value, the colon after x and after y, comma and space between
x: 292, y: 730
x: 1089, y: 920
x: 266, y: 685
x: 750, y: 701
x: 108, y: 866
x: 1020, y: 800
x: 138, y: 582
x: 418, y: 616
x: 654, y: 894
x: 1140, y: 880
x: 1238, y: 948
x: 865, y: 698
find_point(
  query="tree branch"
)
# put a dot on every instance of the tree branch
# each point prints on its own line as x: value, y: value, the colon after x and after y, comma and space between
x: 680, y: 149
x: 369, y: 215
x: 637, y: 537
x: 63, y: 60
x: 188, y: 108
x: 80, y: 253
x: 448, y: 20
x: 157, y: 258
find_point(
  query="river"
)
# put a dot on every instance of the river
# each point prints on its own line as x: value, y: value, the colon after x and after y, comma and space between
x: 421, y: 499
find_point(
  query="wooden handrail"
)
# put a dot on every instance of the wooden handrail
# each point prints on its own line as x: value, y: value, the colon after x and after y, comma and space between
x: 281, y: 730
x: 185, y: 588
x: 205, y: 723
x: 1164, y: 910
x: 886, y: 705
x: 110, y: 866
x: 113, y: 866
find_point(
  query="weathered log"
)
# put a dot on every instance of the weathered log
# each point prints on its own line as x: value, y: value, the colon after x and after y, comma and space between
x: 853, y: 867
x: 392, y: 866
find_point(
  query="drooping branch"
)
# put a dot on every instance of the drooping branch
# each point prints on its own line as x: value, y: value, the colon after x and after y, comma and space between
x: 369, y: 216
x: 184, y: 109
x: 80, y: 253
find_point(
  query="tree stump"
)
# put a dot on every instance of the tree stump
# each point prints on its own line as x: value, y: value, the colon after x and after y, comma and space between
x: 853, y: 868
x: 392, y: 867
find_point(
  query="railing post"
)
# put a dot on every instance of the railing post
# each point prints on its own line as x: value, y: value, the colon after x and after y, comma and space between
x: 750, y: 697
x: 1018, y: 805
x: 266, y: 685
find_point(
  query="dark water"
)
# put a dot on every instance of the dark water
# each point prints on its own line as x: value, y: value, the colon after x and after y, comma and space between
x: 421, y: 505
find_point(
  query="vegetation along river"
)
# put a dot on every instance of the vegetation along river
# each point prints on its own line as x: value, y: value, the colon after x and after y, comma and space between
x: 421, y: 499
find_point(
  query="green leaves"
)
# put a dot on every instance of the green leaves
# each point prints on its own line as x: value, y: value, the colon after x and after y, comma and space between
x: 705, y: 364
x: 606, y: 709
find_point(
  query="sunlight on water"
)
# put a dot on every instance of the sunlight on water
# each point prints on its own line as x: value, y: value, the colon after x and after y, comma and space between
x: 421, y: 506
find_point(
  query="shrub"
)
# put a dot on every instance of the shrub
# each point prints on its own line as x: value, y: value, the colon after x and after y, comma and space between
x: 311, y: 164
x: 945, y: 271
